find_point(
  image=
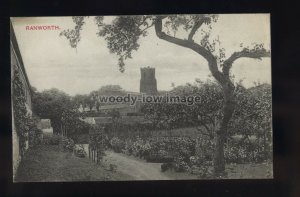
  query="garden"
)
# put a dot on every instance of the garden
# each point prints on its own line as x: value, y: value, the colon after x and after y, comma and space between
x: 179, y: 138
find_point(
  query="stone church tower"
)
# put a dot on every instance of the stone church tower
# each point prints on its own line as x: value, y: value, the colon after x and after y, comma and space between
x: 148, y: 81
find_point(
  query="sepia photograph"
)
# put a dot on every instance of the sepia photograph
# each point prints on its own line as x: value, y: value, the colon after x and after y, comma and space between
x: 141, y: 97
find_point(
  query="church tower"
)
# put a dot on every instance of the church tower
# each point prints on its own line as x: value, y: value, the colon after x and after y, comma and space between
x: 148, y: 81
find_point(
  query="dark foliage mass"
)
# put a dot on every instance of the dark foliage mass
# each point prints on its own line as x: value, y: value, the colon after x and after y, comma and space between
x: 25, y: 123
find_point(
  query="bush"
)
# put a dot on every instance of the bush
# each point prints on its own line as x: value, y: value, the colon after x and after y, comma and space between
x: 128, y: 147
x: 141, y: 148
x: 79, y: 151
x: 161, y: 156
x: 68, y: 144
x: 117, y: 144
x: 99, y: 142
x: 145, y: 150
x: 203, y: 170
x: 51, y: 139
x: 160, y: 150
x: 35, y: 136
x: 181, y: 165
x: 176, y: 147
x: 137, y: 147
x: 195, y: 160
x: 236, y: 152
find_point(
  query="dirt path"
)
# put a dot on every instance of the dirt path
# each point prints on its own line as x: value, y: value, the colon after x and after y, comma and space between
x: 138, y: 169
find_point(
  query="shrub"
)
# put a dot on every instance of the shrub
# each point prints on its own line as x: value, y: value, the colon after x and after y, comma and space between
x: 161, y: 156
x: 195, y: 160
x: 79, y: 151
x: 35, y: 136
x: 181, y: 165
x: 117, y: 144
x: 98, y: 142
x: 141, y: 148
x: 145, y: 149
x: 236, y: 152
x: 68, y: 144
x: 203, y: 170
x: 137, y: 147
x: 51, y: 139
x: 128, y: 147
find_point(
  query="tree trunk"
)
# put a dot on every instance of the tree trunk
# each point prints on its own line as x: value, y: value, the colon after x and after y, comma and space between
x: 228, y: 109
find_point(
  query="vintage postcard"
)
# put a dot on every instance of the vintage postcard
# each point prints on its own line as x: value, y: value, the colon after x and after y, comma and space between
x: 141, y: 97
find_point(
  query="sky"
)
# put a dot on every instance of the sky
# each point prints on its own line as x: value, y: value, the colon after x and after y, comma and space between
x: 50, y: 62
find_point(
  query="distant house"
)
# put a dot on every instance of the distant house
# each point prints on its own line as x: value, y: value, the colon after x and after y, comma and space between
x: 17, y: 64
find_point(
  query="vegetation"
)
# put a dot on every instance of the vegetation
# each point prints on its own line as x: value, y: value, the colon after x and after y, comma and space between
x: 122, y: 36
x: 98, y: 143
x: 52, y: 104
x: 91, y: 100
x: 181, y: 154
x: 25, y: 123
x: 247, y: 140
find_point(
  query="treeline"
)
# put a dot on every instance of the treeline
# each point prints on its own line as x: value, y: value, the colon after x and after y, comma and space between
x: 252, y: 114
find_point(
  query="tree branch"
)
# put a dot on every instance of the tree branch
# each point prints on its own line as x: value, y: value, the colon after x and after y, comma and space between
x: 196, y: 26
x: 212, y: 63
x: 256, y: 54
x: 148, y: 26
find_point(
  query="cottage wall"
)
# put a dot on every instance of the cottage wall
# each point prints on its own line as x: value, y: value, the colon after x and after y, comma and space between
x: 17, y: 64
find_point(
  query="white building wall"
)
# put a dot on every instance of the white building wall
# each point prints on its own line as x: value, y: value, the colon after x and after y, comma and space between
x: 15, y: 150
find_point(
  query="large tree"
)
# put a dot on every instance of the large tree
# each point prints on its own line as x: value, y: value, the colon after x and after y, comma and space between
x: 123, y: 33
x: 52, y: 104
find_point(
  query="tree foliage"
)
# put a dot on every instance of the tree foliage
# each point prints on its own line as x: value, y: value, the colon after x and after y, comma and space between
x: 253, y: 116
x: 52, y: 104
x: 91, y: 99
x: 123, y: 33
x: 204, y: 115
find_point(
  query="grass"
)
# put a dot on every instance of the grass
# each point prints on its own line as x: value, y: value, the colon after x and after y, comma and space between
x: 49, y: 163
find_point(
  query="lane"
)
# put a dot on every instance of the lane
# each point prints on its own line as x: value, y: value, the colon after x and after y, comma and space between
x: 136, y: 168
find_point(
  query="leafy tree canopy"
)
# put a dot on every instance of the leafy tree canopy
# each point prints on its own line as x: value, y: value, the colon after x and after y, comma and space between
x: 51, y: 103
x: 122, y: 36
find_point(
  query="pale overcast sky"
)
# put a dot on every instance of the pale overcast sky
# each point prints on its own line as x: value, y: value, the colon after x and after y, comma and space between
x: 51, y: 62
